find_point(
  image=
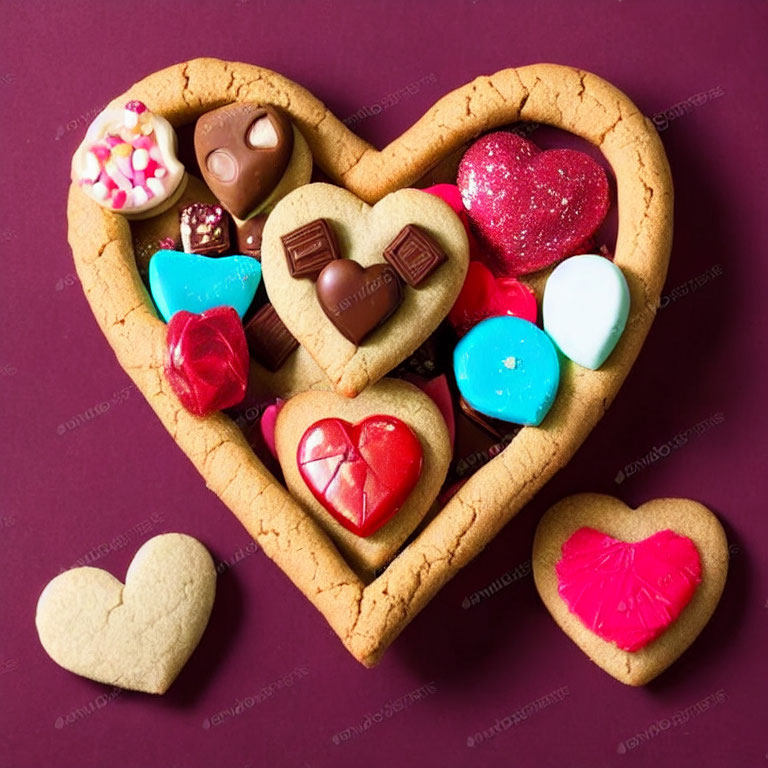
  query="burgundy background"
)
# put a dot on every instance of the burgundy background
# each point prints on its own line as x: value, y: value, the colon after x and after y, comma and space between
x: 114, y: 481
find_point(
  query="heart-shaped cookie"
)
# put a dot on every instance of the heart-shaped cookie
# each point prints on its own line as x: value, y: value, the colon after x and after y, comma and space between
x: 363, y: 233
x: 388, y: 397
x: 136, y: 635
x: 368, y: 616
x: 631, y: 587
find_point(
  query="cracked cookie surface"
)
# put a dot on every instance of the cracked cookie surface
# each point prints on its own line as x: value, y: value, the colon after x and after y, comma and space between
x: 368, y: 618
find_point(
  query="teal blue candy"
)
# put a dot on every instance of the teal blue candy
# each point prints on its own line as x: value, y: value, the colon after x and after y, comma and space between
x: 507, y: 368
x: 195, y: 283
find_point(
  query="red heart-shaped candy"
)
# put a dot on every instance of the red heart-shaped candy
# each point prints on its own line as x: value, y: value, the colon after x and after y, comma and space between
x: 207, y: 363
x: 483, y: 296
x: 361, y: 473
x: 529, y: 208
x: 628, y: 593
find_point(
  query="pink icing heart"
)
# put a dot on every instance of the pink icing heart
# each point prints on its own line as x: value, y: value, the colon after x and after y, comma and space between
x: 529, y: 208
x: 628, y: 593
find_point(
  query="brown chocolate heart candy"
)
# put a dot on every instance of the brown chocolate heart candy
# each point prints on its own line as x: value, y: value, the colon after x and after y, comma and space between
x: 358, y: 300
x: 243, y: 151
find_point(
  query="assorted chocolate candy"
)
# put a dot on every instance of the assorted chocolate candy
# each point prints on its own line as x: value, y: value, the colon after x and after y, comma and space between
x: 357, y: 300
x: 414, y: 255
x: 185, y: 281
x: 243, y: 150
x: 127, y: 161
x: 490, y: 368
x: 269, y: 341
x: 550, y: 207
x: 507, y: 368
x: 310, y: 248
x: 204, y: 229
x: 585, y: 307
x: 361, y: 473
x: 207, y: 363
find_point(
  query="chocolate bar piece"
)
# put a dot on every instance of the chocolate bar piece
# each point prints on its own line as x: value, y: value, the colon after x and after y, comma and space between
x: 310, y: 248
x: 204, y: 229
x: 249, y: 236
x: 414, y: 254
x: 269, y: 341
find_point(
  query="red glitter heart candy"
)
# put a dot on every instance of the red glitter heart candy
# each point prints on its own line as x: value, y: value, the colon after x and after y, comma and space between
x: 207, y: 363
x: 530, y: 208
x: 628, y: 593
x: 484, y: 296
x: 361, y: 473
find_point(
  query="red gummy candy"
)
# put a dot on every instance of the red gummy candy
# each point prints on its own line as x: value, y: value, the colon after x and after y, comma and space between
x: 207, y: 364
x: 361, y: 473
x: 529, y: 208
x: 483, y: 296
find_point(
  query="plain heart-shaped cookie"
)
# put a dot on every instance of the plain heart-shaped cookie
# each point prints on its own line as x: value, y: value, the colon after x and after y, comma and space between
x: 368, y: 616
x: 388, y: 397
x: 646, y: 579
x: 363, y: 233
x: 136, y: 635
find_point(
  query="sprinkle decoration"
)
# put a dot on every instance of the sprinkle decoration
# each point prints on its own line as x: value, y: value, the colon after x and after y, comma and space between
x: 125, y: 168
x: 530, y: 208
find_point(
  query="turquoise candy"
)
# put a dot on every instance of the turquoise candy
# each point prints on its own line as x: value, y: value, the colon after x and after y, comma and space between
x: 196, y: 283
x: 507, y: 368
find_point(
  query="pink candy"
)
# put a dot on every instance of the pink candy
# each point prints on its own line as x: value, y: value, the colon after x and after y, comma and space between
x: 129, y: 166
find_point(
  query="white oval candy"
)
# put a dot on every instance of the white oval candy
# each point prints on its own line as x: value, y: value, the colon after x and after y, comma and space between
x: 585, y: 308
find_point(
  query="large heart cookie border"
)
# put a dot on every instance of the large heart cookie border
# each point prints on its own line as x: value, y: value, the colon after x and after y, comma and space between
x: 610, y: 515
x: 367, y: 618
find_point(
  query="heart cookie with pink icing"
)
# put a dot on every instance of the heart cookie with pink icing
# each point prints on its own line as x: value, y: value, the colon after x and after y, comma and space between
x: 632, y: 588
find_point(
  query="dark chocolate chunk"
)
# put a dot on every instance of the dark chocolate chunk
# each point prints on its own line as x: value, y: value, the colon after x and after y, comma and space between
x: 310, y: 248
x: 432, y: 358
x: 358, y: 300
x: 414, y: 254
x: 204, y: 229
x: 249, y: 236
x: 269, y: 341
x: 243, y: 151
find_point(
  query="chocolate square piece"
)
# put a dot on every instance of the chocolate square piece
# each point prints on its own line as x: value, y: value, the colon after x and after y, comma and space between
x: 204, y: 229
x: 310, y: 248
x: 414, y: 254
x: 269, y: 341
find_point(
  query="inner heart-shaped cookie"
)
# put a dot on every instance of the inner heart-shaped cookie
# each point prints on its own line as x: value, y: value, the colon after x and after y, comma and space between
x: 389, y: 397
x: 363, y: 234
x: 136, y: 635
x: 631, y: 587
x: 367, y: 616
